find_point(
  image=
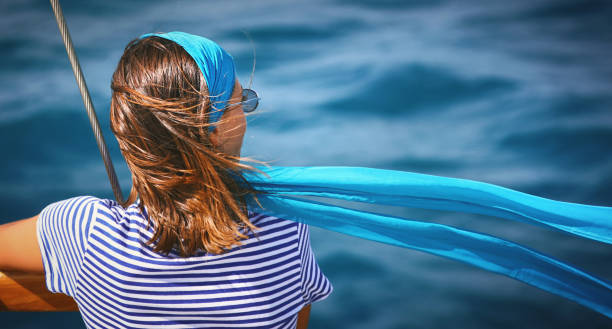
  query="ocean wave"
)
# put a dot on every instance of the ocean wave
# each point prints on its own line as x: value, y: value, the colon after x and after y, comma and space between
x: 413, y: 88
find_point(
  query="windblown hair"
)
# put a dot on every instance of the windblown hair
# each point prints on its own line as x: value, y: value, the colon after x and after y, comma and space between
x: 194, y: 194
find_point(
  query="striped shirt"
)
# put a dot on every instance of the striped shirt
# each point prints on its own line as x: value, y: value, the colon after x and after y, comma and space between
x: 95, y: 251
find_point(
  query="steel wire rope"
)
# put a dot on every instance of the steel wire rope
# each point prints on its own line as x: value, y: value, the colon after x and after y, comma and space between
x: 91, y: 112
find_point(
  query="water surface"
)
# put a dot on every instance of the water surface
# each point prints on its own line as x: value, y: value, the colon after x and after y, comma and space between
x: 515, y: 93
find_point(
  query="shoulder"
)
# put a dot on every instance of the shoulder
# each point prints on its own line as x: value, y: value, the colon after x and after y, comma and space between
x: 63, y: 230
x: 76, y: 216
x: 74, y: 203
x: 69, y: 211
x: 273, y: 226
x: 261, y: 219
x: 103, y: 208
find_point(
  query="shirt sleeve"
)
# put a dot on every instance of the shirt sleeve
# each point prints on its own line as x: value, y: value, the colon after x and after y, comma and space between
x: 315, y: 285
x: 62, y: 229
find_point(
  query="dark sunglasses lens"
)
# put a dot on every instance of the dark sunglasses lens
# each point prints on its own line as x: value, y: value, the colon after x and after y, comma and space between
x: 249, y: 100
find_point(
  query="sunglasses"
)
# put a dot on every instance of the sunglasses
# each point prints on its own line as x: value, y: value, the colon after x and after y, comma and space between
x: 250, y: 100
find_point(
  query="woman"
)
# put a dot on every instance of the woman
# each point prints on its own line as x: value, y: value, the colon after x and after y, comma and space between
x: 183, y: 251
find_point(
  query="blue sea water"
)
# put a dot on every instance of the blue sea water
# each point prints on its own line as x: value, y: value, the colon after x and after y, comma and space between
x: 514, y: 93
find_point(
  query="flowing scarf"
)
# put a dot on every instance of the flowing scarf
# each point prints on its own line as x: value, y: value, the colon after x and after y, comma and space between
x: 288, y: 194
x: 286, y: 187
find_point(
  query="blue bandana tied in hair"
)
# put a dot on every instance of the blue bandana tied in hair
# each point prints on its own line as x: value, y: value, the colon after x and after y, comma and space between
x: 216, y: 65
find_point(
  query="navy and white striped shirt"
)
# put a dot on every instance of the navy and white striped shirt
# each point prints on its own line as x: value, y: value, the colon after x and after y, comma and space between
x: 95, y: 251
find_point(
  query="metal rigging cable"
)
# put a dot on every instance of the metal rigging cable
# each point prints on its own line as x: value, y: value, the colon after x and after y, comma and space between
x: 91, y: 112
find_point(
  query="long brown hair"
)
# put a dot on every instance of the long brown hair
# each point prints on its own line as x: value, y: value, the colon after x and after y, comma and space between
x: 194, y: 194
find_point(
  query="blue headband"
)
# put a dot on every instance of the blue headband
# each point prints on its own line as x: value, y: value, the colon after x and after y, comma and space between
x: 216, y: 65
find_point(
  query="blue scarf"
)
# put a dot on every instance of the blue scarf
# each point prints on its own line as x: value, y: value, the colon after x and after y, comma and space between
x: 286, y: 188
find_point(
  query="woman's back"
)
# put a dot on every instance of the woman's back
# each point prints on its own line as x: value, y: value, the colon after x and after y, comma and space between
x: 97, y: 252
x: 183, y: 251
